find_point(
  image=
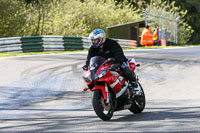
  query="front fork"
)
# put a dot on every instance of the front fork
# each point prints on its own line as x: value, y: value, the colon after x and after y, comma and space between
x: 108, y: 94
x: 105, y: 92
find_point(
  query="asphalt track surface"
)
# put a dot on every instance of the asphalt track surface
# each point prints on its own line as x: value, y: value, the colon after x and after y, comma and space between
x: 43, y: 93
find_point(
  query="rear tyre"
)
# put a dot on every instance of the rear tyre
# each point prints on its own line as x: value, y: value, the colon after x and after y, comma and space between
x: 103, y: 110
x: 138, y: 102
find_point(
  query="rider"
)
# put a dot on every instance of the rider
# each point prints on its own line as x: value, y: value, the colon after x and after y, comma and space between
x: 108, y: 48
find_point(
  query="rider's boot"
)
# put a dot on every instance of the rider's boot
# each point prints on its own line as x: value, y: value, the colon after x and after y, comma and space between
x: 135, y: 85
x: 136, y: 88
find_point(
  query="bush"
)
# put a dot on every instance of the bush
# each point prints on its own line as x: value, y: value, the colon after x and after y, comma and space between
x: 67, y: 17
x: 77, y: 17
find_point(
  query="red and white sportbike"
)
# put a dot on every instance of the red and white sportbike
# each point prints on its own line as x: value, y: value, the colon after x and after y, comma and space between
x: 111, y: 92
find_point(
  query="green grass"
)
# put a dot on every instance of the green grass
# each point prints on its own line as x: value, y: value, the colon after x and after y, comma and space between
x: 58, y: 52
x: 37, y: 53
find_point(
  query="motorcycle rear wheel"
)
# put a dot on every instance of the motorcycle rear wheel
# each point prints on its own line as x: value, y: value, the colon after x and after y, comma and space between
x: 138, y: 102
x: 104, y: 111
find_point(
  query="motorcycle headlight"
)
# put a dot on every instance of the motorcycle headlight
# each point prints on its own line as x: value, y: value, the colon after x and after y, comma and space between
x: 101, y: 74
x: 87, y: 77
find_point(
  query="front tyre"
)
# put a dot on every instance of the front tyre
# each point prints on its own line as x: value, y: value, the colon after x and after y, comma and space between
x: 103, y: 110
x: 138, y: 102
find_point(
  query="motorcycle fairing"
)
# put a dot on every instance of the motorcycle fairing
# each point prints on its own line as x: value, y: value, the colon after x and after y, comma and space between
x: 112, y: 78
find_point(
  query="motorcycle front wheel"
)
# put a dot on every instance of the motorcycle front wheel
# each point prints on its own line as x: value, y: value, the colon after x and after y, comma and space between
x: 138, y: 102
x: 103, y: 110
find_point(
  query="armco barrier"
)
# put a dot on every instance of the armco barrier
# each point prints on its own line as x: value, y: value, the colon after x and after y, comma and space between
x: 10, y: 44
x: 127, y: 43
x: 51, y: 43
x: 72, y: 43
x: 32, y: 44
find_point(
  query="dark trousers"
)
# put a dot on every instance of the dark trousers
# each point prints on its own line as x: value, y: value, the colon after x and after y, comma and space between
x: 127, y: 73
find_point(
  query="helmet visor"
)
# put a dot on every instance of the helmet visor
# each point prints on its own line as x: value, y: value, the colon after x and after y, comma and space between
x: 96, y: 42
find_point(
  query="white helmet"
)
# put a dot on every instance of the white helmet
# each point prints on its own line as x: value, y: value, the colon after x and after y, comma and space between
x: 98, y: 37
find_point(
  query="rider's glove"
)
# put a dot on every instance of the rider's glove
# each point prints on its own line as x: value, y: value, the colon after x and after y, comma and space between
x: 85, y: 67
x: 114, y: 67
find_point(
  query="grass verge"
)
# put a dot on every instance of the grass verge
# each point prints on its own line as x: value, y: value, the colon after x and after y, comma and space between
x: 58, y: 52
x: 37, y: 53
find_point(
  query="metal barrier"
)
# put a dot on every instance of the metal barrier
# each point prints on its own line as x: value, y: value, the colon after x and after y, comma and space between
x: 51, y: 43
x: 10, y: 44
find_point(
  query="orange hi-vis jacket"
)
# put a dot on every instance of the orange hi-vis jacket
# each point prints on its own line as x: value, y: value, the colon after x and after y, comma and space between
x: 147, y: 37
x: 155, y: 35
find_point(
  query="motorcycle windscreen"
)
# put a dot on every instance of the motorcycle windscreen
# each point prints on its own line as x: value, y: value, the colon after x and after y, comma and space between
x: 95, y: 63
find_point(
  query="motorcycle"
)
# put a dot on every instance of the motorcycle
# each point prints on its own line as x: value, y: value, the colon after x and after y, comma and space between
x: 111, y: 92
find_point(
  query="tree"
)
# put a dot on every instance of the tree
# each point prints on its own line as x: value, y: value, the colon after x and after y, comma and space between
x: 10, y: 18
x: 192, y: 16
x: 185, y: 31
x: 73, y: 17
x: 80, y: 17
x: 189, y: 10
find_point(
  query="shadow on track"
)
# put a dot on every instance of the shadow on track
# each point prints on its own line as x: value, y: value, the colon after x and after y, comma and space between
x: 57, y: 121
x: 167, y: 113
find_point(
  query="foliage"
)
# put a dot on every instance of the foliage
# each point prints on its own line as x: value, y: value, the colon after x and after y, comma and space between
x: 10, y: 19
x: 188, y: 10
x: 192, y: 16
x: 68, y: 17
x: 184, y: 30
x: 80, y: 17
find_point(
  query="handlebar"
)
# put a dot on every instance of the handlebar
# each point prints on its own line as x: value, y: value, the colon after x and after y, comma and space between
x: 137, y: 65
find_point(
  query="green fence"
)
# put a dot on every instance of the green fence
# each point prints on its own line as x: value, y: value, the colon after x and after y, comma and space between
x: 51, y: 43
x: 72, y: 43
x: 32, y: 44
